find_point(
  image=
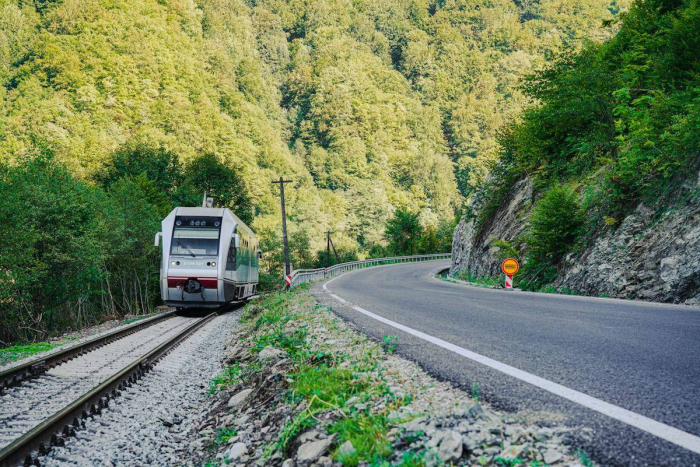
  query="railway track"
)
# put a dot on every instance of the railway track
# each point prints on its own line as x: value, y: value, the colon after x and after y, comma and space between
x: 44, y: 401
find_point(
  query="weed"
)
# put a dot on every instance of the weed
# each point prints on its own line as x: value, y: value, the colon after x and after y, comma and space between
x: 389, y: 343
x: 223, y: 436
x: 367, y: 433
x: 583, y: 457
x: 411, y: 459
x: 133, y: 320
x: 11, y: 354
x: 477, y: 280
x: 476, y: 394
x: 508, y: 462
x: 230, y: 376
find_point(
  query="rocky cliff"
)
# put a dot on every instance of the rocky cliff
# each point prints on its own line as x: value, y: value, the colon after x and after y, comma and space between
x: 654, y: 254
x: 472, y: 248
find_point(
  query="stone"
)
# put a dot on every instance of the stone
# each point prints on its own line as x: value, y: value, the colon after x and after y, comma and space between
x: 308, y: 436
x: 237, y: 451
x: 450, y: 447
x: 347, y: 449
x: 552, y: 457
x: 325, y: 461
x: 352, y: 401
x: 544, y: 434
x: 512, y: 451
x: 288, y: 463
x: 312, y: 450
x: 415, y: 425
x: 270, y: 353
x: 239, y: 398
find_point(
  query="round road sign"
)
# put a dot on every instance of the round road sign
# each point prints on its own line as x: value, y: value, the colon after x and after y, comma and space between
x: 509, y: 266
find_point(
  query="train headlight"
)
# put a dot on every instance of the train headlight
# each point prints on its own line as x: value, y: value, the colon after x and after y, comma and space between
x: 213, y: 263
x: 172, y: 263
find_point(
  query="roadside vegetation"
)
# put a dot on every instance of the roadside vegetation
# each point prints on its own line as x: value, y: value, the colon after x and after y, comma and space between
x: 333, y: 392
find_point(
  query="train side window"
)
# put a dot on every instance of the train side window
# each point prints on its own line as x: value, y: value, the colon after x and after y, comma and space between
x: 231, y: 257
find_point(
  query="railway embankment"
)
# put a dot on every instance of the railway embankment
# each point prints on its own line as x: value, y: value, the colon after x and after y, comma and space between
x: 302, y: 387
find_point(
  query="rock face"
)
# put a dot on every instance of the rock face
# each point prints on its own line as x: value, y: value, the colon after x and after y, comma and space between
x: 649, y: 256
x: 646, y: 258
x: 473, y: 252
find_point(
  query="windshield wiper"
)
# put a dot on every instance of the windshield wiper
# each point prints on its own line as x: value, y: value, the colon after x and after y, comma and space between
x: 186, y: 248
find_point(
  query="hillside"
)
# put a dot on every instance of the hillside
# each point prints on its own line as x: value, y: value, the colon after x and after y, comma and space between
x: 379, y: 111
x: 597, y: 190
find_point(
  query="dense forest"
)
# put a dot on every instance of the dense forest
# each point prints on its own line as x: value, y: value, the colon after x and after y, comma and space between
x: 386, y: 114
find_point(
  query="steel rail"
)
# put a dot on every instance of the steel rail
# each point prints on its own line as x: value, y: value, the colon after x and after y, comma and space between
x: 33, y: 368
x: 53, y: 431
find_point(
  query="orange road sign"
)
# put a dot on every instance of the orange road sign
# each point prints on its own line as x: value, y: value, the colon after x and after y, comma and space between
x: 509, y: 266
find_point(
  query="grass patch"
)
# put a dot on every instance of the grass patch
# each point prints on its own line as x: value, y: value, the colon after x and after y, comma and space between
x: 133, y: 320
x: 557, y: 291
x: 321, y: 379
x: 478, y: 281
x: 325, y: 387
x: 12, y: 354
x: 367, y: 433
x: 223, y: 436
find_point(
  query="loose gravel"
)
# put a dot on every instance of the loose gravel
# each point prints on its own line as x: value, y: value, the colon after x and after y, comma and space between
x: 25, y: 406
x: 154, y: 421
x: 78, y: 337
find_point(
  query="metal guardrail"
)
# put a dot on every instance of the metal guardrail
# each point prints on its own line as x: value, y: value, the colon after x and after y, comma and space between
x: 303, y: 276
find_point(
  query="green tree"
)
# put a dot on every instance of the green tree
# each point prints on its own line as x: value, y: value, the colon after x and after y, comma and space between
x: 403, y: 232
x: 555, y: 226
x: 52, y: 232
x: 220, y: 181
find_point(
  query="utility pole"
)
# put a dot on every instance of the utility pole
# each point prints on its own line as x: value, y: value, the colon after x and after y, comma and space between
x: 337, y: 259
x: 287, y: 264
x: 328, y: 249
x: 329, y: 244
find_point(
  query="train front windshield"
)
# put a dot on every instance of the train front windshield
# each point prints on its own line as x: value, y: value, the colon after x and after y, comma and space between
x: 196, y: 236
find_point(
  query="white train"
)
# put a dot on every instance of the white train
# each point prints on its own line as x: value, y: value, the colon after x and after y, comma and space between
x: 210, y: 258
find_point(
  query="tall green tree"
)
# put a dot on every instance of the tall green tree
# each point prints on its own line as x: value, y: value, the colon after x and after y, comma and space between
x: 403, y: 233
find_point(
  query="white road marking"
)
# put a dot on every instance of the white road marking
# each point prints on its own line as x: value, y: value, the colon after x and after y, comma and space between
x: 661, y: 430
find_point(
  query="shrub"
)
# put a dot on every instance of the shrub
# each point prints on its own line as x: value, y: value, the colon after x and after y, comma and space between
x: 555, y: 226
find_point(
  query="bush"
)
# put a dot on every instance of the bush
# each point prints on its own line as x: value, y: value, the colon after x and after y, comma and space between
x: 555, y: 227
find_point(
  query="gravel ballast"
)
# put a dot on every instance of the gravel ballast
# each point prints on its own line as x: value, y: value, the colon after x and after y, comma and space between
x: 155, y: 421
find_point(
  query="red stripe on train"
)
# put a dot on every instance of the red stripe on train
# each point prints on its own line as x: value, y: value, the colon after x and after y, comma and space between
x: 208, y: 282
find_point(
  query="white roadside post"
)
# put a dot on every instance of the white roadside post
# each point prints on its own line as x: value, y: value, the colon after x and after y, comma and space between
x: 509, y: 267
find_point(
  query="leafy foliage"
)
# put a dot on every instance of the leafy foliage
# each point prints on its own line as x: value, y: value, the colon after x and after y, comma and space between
x: 618, y: 120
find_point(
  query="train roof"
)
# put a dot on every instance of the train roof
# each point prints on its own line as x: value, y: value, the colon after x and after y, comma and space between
x: 214, y: 212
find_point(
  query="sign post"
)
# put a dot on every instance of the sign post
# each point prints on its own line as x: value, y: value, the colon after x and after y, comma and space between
x: 509, y: 267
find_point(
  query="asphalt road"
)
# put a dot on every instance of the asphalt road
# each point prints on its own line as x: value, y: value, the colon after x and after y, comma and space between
x: 643, y: 357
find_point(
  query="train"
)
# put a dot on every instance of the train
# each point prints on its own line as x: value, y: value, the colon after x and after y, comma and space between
x: 210, y: 258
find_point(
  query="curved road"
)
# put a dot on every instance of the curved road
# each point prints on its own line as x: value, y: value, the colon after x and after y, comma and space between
x: 643, y: 359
